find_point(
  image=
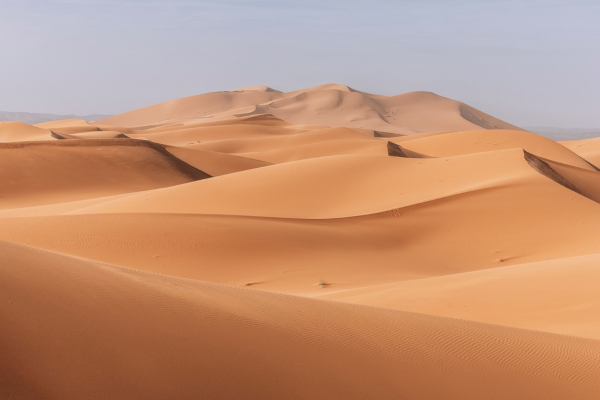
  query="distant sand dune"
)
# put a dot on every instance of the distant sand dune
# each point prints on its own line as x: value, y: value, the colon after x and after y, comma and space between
x: 18, y: 131
x: 328, y: 105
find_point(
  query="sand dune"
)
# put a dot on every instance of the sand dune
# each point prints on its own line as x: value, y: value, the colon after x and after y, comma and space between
x: 18, y: 131
x: 110, y: 332
x: 53, y: 172
x: 320, y: 243
x: 215, y: 163
x: 328, y: 105
x: 259, y: 145
x: 588, y: 149
x: 555, y: 296
x: 447, y: 144
x: 471, y: 231
x: 182, y: 135
x: 77, y: 124
x: 387, y: 183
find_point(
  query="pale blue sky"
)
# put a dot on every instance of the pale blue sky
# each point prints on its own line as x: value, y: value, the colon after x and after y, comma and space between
x: 528, y: 62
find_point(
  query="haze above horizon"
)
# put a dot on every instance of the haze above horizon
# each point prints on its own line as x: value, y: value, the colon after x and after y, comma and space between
x: 529, y: 63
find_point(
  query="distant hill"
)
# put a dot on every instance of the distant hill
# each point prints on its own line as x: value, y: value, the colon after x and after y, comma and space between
x: 564, y: 133
x: 325, y: 105
x: 37, y: 118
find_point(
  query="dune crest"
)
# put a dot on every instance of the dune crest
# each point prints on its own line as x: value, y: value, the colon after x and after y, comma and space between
x: 326, y: 105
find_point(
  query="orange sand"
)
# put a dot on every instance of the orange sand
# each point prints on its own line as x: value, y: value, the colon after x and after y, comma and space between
x: 324, y: 243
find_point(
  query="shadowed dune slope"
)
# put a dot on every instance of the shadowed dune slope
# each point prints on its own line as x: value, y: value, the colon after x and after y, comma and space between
x: 446, y: 144
x: 581, y: 180
x: 110, y: 332
x: 214, y: 163
x: 556, y: 296
x: 327, y: 105
x: 99, y: 135
x: 37, y: 173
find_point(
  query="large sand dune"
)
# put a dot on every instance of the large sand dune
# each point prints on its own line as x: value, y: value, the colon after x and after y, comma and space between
x: 328, y: 105
x: 109, y: 332
x: 59, y: 171
x: 321, y: 243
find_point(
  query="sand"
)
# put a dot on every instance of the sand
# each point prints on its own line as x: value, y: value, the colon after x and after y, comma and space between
x: 325, y: 243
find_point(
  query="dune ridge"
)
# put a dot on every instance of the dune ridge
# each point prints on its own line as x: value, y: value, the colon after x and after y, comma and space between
x: 328, y: 105
x: 48, y: 172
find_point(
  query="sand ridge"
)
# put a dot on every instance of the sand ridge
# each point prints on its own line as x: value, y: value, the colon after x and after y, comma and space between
x: 328, y: 105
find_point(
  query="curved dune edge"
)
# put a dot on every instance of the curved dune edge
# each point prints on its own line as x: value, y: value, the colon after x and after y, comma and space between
x: 470, y: 232
x: 586, y: 181
x: 304, y: 187
x: 589, y: 149
x: 395, y: 150
x: 110, y: 332
x: 12, y: 131
x: 543, y: 168
x: 185, y: 167
x: 215, y: 163
x: 60, y: 136
x: 62, y: 171
x: 449, y: 144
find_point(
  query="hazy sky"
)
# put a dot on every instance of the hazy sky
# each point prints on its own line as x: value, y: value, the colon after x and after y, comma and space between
x: 528, y: 62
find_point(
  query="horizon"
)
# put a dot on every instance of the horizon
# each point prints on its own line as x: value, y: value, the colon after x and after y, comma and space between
x: 529, y: 63
x: 541, y: 129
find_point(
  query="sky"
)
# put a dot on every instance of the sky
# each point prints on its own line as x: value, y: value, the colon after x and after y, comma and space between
x: 528, y: 62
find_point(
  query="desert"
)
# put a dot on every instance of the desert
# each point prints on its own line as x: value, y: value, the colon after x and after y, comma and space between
x: 322, y: 243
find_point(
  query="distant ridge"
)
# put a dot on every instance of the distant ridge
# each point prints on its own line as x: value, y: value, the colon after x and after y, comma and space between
x: 327, y: 105
x: 38, y: 118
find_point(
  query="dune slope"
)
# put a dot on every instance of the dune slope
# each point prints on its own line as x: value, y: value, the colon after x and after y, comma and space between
x: 327, y: 105
x: 110, y: 332
x: 37, y: 173
x: 555, y: 296
x: 17, y: 131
